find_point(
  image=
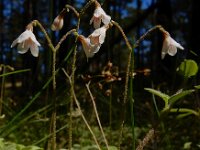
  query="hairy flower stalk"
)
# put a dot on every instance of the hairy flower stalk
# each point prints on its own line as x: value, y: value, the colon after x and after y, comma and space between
x: 54, y: 50
x: 127, y: 77
x: 149, y: 136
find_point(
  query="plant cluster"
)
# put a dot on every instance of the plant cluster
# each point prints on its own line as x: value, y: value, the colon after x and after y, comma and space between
x: 91, y: 45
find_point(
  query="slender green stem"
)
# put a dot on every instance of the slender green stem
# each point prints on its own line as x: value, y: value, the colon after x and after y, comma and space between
x: 37, y: 23
x: 96, y: 113
x: 147, y: 33
x: 63, y: 38
x: 2, y: 89
x: 54, y: 102
x: 132, y: 101
x: 159, y: 115
x: 129, y: 59
x: 70, y: 123
x: 185, y: 110
x: 110, y: 108
x: 79, y: 108
x: 155, y: 104
x: 14, y: 72
x: 73, y: 9
x: 50, y: 135
x: 86, y: 7
x: 126, y: 78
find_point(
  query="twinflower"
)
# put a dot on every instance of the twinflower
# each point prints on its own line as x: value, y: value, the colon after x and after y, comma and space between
x: 89, y: 49
x: 27, y: 40
x: 58, y: 22
x: 99, y: 16
x: 92, y: 43
x: 98, y: 36
x: 169, y: 45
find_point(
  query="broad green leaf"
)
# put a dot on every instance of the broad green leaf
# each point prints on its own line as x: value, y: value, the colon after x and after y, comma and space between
x: 178, y: 96
x: 32, y: 148
x: 187, y: 145
x: 164, y: 96
x: 1, y: 144
x: 197, y: 87
x: 188, y: 68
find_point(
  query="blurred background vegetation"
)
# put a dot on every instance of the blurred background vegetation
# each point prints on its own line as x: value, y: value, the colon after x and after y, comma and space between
x: 178, y: 17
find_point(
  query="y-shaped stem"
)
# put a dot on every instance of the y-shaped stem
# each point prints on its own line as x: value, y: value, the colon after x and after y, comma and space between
x: 96, y: 113
x: 79, y: 108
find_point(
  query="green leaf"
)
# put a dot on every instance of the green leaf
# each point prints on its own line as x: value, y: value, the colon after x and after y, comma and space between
x: 188, y: 68
x: 164, y: 96
x: 32, y: 148
x: 197, y: 87
x: 1, y: 143
x: 178, y: 96
x: 187, y: 145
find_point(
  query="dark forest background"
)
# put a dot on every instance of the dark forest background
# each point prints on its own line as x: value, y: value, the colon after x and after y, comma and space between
x: 178, y: 17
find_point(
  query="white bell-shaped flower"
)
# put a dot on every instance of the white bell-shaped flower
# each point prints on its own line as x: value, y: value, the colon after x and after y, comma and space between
x: 92, y: 43
x: 169, y: 46
x: 25, y: 41
x: 99, y: 16
x: 89, y: 49
x: 98, y: 36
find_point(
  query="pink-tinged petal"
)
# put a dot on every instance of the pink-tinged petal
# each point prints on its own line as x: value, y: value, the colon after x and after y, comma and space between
x: 172, y: 50
x: 94, y: 40
x: 89, y: 49
x: 91, y: 20
x: 84, y: 41
x: 163, y: 55
x: 97, y: 22
x: 86, y: 44
x: 92, y: 50
x: 98, y: 16
x: 34, y: 50
x: 57, y: 23
x: 164, y: 50
x: 25, y: 35
x: 14, y: 43
x: 33, y: 38
x: 99, y: 12
x: 95, y: 49
x: 98, y: 36
x: 176, y: 44
x: 22, y: 48
x: 106, y: 19
x: 169, y: 46
x: 102, y: 35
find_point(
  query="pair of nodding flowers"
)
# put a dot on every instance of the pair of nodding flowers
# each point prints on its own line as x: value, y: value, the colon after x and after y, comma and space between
x: 92, y: 43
